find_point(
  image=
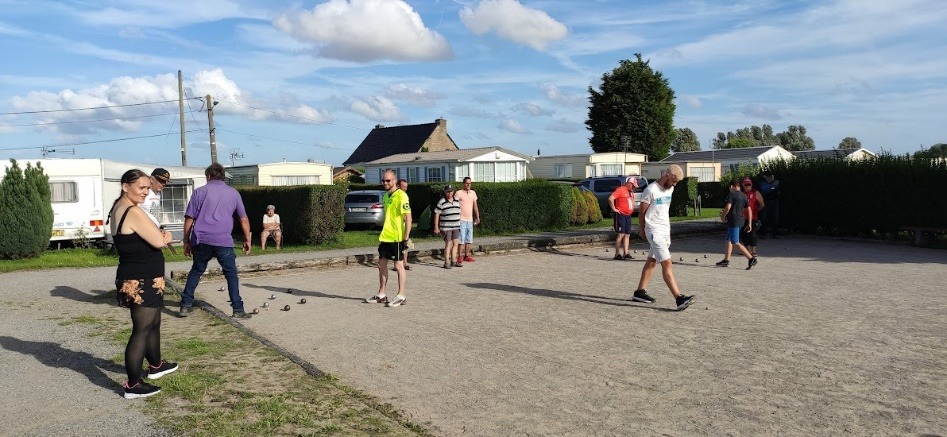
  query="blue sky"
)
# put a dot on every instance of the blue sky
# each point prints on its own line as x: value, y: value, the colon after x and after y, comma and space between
x: 300, y: 80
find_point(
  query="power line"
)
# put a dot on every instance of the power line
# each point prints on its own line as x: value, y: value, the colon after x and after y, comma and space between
x: 82, y: 143
x: 88, y: 121
x: 87, y: 109
x: 277, y: 139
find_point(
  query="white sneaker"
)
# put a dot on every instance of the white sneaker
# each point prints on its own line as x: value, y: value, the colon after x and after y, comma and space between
x: 399, y: 300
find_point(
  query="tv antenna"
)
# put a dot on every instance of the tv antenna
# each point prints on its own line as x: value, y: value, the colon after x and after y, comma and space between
x: 235, y: 154
x: 45, y: 151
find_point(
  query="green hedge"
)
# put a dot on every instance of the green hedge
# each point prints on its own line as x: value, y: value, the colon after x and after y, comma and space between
x: 712, y: 194
x: 881, y: 194
x: 310, y: 214
x: 684, y: 194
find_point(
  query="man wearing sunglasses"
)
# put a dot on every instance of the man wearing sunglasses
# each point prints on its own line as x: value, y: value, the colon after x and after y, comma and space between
x: 393, y: 239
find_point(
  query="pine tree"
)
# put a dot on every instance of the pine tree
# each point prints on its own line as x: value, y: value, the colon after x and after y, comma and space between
x: 26, y: 217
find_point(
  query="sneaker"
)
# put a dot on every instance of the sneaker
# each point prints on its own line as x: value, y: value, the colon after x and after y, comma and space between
x: 642, y: 296
x: 447, y: 264
x: 618, y: 257
x: 627, y: 256
x: 185, y: 311
x: 458, y: 264
x: 399, y: 300
x: 724, y: 263
x: 140, y: 390
x: 241, y: 315
x: 684, y: 301
x: 377, y: 299
x: 752, y: 263
x: 468, y: 259
x: 155, y: 372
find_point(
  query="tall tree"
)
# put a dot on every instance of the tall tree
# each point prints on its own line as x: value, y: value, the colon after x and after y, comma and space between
x: 795, y: 139
x: 634, y: 102
x: 685, y: 140
x: 850, y: 143
x: 938, y: 150
x: 756, y: 135
x: 26, y: 218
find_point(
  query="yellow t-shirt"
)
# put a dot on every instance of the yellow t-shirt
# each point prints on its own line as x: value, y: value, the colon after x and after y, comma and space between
x: 396, y: 207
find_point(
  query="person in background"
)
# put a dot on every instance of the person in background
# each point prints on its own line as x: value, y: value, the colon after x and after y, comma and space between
x: 391, y: 242
x: 447, y: 221
x: 736, y: 213
x: 139, y: 281
x: 208, y: 225
x: 622, y: 202
x: 748, y: 234
x: 770, y: 189
x: 271, y: 226
x: 654, y: 225
x: 403, y: 186
x: 152, y: 204
x: 469, y: 217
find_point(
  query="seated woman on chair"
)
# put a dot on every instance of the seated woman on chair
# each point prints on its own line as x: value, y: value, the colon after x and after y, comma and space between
x: 271, y: 225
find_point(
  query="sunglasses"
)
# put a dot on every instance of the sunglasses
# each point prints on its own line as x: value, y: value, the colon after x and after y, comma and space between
x: 387, y: 180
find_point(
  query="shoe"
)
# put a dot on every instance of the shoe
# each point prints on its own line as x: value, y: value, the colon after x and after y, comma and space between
x: 399, y: 300
x: 241, y: 315
x: 140, y: 390
x: 642, y: 296
x: 627, y: 256
x: 407, y: 267
x: 185, y: 311
x: 377, y: 299
x: 468, y: 259
x: 618, y: 257
x: 684, y: 301
x: 752, y: 263
x: 447, y: 264
x: 155, y: 372
x: 724, y: 263
x: 458, y: 264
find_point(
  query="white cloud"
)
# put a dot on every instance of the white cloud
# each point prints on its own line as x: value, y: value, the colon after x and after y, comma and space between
x: 532, y: 109
x: 759, y: 111
x: 366, y: 30
x: 467, y: 111
x: 168, y: 13
x: 418, y: 96
x: 689, y: 100
x: 377, y: 109
x: 512, y: 126
x: 513, y: 21
x: 554, y: 94
x: 564, y: 126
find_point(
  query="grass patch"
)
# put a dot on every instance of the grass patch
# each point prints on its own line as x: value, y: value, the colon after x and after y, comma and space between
x: 81, y: 319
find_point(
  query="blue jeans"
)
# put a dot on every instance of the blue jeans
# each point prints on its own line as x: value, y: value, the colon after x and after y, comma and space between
x: 202, y: 253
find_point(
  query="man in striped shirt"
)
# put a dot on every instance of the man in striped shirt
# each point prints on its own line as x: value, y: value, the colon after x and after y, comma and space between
x: 447, y: 223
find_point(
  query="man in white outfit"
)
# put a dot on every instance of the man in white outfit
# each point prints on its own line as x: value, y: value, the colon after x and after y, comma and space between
x: 152, y: 204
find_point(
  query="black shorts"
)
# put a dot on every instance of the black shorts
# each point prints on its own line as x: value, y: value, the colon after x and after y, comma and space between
x: 392, y: 251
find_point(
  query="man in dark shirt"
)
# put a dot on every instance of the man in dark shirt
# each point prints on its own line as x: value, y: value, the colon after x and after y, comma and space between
x: 735, y: 213
x: 769, y: 188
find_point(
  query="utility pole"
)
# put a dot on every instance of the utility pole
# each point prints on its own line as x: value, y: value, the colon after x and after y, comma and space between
x: 181, y: 112
x: 210, y: 125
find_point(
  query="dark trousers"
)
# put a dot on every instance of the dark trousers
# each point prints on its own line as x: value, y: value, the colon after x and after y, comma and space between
x: 770, y: 216
x: 202, y: 254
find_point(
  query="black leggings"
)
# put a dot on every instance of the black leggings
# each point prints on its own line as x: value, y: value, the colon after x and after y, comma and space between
x: 145, y: 341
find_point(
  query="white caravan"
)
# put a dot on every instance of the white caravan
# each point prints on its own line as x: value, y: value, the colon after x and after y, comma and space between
x: 83, y: 191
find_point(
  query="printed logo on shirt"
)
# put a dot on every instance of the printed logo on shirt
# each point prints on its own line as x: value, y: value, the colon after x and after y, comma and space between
x: 662, y: 200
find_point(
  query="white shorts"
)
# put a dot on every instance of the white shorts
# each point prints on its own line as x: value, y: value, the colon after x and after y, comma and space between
x: 660, y: 246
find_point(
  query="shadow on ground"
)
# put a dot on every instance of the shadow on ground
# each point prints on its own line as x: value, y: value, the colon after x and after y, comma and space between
x: 54, y: 355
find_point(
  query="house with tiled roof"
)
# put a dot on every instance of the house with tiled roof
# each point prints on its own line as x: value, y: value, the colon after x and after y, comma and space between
x: 730, y: 159
x: 386, y: 141
x: 483, y: 164
x: 846, y: 154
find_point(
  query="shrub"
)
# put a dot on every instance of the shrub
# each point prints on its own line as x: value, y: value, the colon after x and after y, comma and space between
x: 591, y: 202
x: 310, y: 214
x: 579, y: 214
x: 26, y: 218
x: 684, y: 194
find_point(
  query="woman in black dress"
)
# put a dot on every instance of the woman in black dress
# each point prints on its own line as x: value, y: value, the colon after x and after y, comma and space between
x: 140, y: 282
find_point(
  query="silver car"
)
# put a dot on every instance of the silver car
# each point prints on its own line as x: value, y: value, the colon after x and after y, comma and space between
x: 365, y: 207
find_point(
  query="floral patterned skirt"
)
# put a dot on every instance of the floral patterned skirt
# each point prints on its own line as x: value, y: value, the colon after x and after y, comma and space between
x: 144, y: 292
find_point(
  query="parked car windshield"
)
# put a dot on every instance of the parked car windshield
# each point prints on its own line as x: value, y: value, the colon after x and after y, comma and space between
x: 361, y: 198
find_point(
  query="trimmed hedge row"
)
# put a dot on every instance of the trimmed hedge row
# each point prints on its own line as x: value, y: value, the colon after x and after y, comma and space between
x: 310, y: 214
x: 685, y: 192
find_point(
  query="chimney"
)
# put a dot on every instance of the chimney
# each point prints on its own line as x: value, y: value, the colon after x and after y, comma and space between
x: 379, y: 126
x: 441, y: 122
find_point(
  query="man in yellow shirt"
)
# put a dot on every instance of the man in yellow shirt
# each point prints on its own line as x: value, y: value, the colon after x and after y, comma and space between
x: 394, y: 235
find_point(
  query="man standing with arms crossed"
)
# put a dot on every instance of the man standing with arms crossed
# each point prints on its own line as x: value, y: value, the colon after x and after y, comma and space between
x: 654, y: 225
x: 208, y: 223
x: 469, y: 217
x: 394, y: 235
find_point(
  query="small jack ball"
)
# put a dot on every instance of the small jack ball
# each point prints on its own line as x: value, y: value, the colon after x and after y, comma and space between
x: 286, y: 308
x: 302, y: 300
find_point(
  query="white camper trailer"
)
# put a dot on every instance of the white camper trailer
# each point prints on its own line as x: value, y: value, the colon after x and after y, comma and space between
x: 83, y: 191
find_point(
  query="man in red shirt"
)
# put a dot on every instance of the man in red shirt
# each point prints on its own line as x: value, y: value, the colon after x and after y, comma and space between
x: 622, y: 202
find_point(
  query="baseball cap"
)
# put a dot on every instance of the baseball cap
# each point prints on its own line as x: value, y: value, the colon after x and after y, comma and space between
x: 448, y: 188
x: 632, y: 180
x: 162, y: 175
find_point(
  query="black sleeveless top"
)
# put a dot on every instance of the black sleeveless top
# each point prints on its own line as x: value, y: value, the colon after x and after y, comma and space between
x: 136, y: 258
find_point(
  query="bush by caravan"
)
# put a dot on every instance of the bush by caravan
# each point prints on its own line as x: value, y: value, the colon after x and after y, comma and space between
x: 83, y: 191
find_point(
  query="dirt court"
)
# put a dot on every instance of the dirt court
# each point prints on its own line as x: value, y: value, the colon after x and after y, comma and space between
x: 822, y: 337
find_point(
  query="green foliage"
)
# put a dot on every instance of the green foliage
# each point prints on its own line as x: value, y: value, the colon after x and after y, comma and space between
x: 795, y: 139
x: 310, y: 214
x: 685, y: 192
x: 850, y: 143
x: 936, y: 151
x: 591, y: 202
x: 751, y: 136
x: 712, y: 194
x: 740, y: 143
x: 579, y: 214
x: 685, y: 140
x: 26, y: 215
x: 742, y: 170
x: 636, y: 102
x: 858, y: 201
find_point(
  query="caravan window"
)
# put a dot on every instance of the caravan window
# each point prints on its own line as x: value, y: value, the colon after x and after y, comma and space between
x: 64, y: 192
x: 173, y: 204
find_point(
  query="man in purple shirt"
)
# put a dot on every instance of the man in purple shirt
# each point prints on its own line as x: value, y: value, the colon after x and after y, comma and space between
x: 208, y: 225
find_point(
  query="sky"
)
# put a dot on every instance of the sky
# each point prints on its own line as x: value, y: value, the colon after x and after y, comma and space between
x: 307, y: 80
